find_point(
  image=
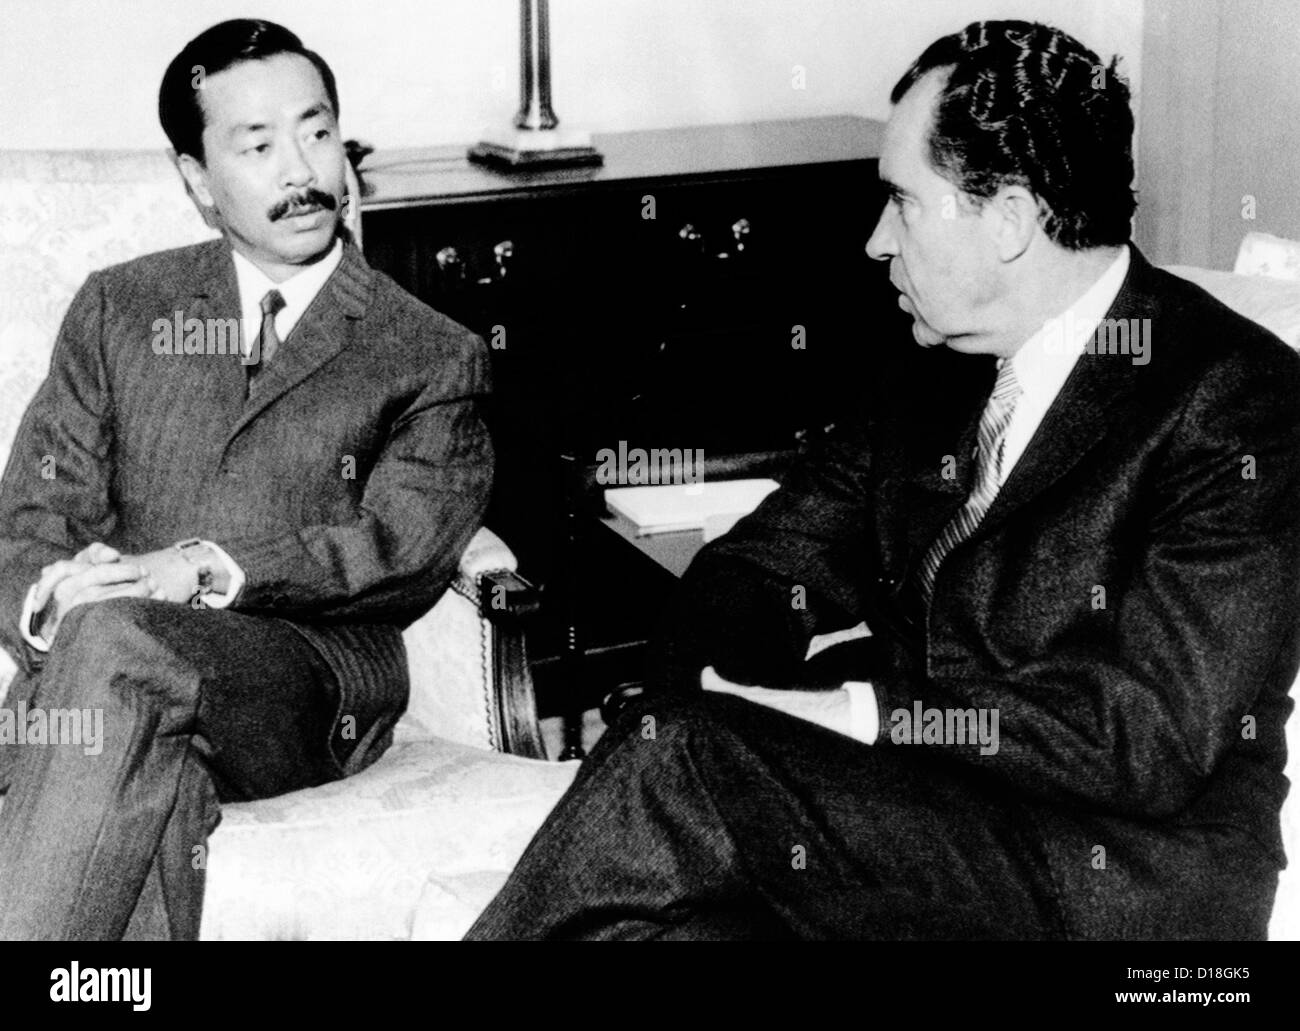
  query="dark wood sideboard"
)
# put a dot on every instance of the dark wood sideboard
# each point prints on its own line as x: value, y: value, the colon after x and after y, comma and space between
x: 706, y: 288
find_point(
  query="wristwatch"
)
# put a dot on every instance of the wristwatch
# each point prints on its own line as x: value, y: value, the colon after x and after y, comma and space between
x: 205, y: 575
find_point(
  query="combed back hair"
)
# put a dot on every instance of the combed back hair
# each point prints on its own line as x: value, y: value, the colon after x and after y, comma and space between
x: 213, y: 51
x: 1025, y: 104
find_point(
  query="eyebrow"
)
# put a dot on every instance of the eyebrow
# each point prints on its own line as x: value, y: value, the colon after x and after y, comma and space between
x: 892, y: 188
x: 314, y: 111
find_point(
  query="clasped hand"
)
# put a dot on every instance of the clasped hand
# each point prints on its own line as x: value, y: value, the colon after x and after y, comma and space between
x: 99, y: 572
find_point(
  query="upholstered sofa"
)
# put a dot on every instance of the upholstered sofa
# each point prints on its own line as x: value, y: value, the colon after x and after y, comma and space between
x: 415, y: 845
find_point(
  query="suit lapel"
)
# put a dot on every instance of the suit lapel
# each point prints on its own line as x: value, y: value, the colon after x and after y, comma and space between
x: 324, y: 330
x: 1084, y: 412
x: 215, y: 382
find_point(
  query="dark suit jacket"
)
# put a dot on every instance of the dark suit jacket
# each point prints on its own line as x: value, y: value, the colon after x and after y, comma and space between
x: 1175, y: 486
x: 346, y: 488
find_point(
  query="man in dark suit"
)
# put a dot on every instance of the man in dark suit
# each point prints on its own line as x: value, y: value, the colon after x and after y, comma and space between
x: 218, y: 547
x: 1072, y: 535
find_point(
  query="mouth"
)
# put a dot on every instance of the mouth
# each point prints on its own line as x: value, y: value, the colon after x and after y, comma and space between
x: 306, y: 217
x: 924, y: 334
x: 906, y: 304
x: 902, y: 294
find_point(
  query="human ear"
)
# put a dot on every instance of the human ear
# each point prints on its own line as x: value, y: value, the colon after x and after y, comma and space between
x: 1014, y: 214
x: 196, y: 178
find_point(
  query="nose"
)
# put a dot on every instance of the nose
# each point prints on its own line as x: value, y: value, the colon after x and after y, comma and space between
x: 883, y: 243
x: 297, y: 172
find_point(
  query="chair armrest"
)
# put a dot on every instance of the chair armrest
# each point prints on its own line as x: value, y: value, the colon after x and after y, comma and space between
x: 486, y: 553
x: 506, y: 600
x: 470, y: 680
x: 504, y: 595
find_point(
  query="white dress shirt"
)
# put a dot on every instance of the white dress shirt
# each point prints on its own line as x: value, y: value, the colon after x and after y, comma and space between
x: 298, y: 292
x: 1045, y: 361
x: 1042, y: 365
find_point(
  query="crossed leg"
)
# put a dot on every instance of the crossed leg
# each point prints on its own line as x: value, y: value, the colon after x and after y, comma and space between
x: 198, y: 707
x: 708, y: 816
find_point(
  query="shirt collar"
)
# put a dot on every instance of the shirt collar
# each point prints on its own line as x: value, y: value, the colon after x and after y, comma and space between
x: 1045, y: 360
x: 298, y: 291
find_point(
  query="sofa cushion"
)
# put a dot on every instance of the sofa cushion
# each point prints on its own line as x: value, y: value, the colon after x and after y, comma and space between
x: 449, y: 905
x: 1262, y: 254
x: 352, y: 859
x: 1273, y: 303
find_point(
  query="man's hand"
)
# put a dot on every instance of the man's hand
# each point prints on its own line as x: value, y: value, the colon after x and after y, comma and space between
x: 828, y: 708
x: 176, y: 577
x: 93, y: 574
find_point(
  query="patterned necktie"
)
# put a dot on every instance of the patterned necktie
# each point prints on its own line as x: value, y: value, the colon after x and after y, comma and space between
x: 267, y: 340
x: 992, y: 437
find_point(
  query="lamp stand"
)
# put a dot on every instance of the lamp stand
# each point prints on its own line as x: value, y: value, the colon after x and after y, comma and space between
x: 535, y: 141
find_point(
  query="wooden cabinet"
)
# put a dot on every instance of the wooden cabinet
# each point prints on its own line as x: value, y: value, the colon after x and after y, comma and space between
x: 707, y: 288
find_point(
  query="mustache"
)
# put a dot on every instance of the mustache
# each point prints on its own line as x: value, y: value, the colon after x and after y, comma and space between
x: 308, y: 198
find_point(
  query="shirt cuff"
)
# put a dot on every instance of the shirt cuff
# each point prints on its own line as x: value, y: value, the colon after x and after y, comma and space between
x: 25, y: 622
x: 214, y: 600
x: 864, y: 711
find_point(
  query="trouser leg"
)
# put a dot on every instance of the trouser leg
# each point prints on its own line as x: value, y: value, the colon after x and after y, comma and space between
x: 706, y: 815
x: 196, y: 706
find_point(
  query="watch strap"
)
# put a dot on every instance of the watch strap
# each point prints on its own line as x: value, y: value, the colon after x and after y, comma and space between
x: 206, y: 577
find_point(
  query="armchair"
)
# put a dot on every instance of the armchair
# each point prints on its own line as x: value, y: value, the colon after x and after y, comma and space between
x: 417, y: 843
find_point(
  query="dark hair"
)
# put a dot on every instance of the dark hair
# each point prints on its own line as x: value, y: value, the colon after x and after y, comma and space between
x: 1027, y: 104
x: 213, y: 51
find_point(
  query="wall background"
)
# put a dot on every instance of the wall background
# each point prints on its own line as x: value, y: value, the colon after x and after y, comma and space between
x: 1220, y: 131
x: 85, y: 73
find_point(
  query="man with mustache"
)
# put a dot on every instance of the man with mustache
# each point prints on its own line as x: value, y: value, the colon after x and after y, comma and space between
x: 1101, y: 555
x: 229, y: 549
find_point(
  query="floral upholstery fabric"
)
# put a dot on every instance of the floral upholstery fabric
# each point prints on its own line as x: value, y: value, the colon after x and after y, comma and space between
x: 352, y: 859
x: 1262, y: 254
x: 63, y: 215
x: 1273, y: 303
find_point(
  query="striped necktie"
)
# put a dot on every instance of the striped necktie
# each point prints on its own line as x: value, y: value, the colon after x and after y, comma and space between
x: 992, y: 437
x: 267, y: 340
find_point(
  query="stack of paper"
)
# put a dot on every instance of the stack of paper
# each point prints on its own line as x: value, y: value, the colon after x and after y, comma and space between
x: 673, y: 508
